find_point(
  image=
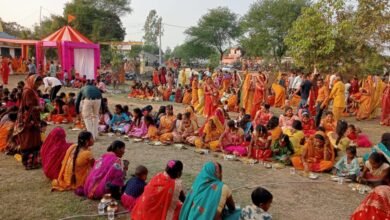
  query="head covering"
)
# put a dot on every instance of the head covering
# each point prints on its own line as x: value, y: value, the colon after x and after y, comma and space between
x: 219, y: 128
x: 30, y: 82
x: 202, y: 200
x: 53, y: 152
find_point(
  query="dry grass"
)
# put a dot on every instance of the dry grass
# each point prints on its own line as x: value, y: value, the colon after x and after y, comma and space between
x: 27, y: 195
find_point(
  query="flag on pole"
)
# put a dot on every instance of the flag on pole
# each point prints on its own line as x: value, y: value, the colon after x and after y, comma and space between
x: 71, y: 18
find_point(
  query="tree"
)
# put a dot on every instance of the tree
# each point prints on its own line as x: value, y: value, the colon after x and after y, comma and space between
x: 118, y: 7
x: 311, y: 38
x: 191, y: 50
x: 216, y: 29
x: 16, y: 30
x: 266, y: 25
x: 152, y: 28
x: 168, y: 53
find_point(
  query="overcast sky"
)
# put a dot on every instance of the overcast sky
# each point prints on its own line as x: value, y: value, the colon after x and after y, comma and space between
x: 183, y: 13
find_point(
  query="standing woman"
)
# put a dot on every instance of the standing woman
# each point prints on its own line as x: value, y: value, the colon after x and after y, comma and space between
x: 27, y: 127
x: 385, y: 117
x: 209, y: 92
x: 163, y: 73
x: 155, y: 79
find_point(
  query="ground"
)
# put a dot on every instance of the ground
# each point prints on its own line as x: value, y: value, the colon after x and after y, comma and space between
x: 27, y: 195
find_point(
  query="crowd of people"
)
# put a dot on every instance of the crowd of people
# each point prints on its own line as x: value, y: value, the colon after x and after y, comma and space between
x: 302, y: 138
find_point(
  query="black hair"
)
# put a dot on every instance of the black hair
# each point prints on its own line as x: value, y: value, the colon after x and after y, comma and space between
x: 119, y: 107
x: 231, y: 124
x: 287, y: 109
x: 126, y: 108
x: 297, y: 125
x: 149, y: 119
x: 187, y: 115
x: 261, y: 129
x: 174, y: 168
x: 319, y: 137
x: 329, y: 113
x: 286, y: 139
x: 141, y: 170
x: 261, y: 196
x: 179, y: 116
x: 273, y: 123
x: 341, y: 128
x: 245, y: 119
x: 13, y: 116
x: 351, y: 149
x: 115, y: 145
x: 43, y: 124
x: 351, y: 126
x: 385, y: 139
x: 62, y: 95
x: 267, y: 106
x: 137, y: 117
x: 82, y: 140
x: 377, y: 157
x: 320, y: 128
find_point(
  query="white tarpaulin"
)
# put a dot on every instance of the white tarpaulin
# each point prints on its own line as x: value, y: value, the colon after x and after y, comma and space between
x: 84, y: 62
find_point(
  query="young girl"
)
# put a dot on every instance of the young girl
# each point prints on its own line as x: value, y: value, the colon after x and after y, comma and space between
x: 259, y: 147
x: 308, y: 124
x: 348, y: 165
x: 231, y: 140
x: 351, y: 133
x: 286, y: 120
x: 329, y: 123
x: 241, y: 114
x: 134, y: 188
x: 119, y: 120
x: 246, y: 125
x: 374, y: 169
x: 137, y: 128
x: 152, y: 132
x: 282, y: 149
x: 261, y: 199
x: 262, y: 116
x: 186, y: 129
x: 274, y: 129
x: 296, y: 136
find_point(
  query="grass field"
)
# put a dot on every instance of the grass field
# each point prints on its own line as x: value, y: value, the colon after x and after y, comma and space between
x: 27, y: 195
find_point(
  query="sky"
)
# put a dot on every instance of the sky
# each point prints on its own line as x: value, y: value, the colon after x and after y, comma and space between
x: 179, y: 13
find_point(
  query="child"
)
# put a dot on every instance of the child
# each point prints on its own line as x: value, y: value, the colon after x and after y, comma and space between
x: 282, y: 149
x: 134, y: 188
x: 119, y: 120
x: 261, y: 199
x: 71, y: 104
x: 351, y: 133
x: 374, y: 168
x: 259, y: 147
x: 308, y: 125
x: 329, y: 123
x: 246, y: 125
x: 348, y: 165
x: 152, y: 133
x: 241, y: 114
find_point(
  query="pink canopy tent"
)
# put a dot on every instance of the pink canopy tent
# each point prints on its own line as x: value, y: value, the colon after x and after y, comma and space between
x: 74, y: 50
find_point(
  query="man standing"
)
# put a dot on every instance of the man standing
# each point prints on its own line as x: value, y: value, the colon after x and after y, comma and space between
x: 91, y: 97
x: 53, y: 69
x: 32, y: 69
x: 323, y: 93
x: 53, y: 83
x: 305, y: 90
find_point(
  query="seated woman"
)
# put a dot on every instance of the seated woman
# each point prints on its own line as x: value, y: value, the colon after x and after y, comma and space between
x: 374, y: 169
x: 209, y: 196
x: 274, y: 129
x: 53, y: 152
x: 259, y: 147
x: 138, y: 127
x: 163, y: 195
x: 308, y: 124
x: 6, y: 129
x: 186, y: 129
x: 317, y: 155
x: 134, y: 188
x: 296, y: 136
x: 232, y: 102
x: 383, y: 147
x: 71, y: 103
x: 348, y: 165
x: 134, y: 92
x: 262, y: 116
x: 120, y: 121
x: 167, y: 124
x: 187, y: 97
x: 107, y: 175
x: 210, y: 136
x: 76, y: 164
x: 377, y: 204
x: 231, y: 140
x: 338, y: 139
x: 329, y: 123
x: 282, y: 149
x: 60, y: 113
x: 105, y: 116
x: 246, y: 125
x: 161, y: 112
x: 193, y: 117
x: 286, y: 120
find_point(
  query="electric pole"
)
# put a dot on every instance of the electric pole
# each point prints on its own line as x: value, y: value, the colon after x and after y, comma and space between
x: 159, y: 35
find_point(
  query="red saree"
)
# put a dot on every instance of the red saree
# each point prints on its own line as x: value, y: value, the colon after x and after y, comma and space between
x: 375, y: 206
x: 159, y: 200
x: 385, y: 116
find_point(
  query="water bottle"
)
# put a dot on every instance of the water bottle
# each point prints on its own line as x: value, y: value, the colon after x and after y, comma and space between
x: 111, y: 215
x: 101, y: 208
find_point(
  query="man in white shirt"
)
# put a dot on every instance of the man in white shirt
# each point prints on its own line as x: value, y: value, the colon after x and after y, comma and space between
x: 54, y: 84
x: 331, y: 80
x: 297, y: 82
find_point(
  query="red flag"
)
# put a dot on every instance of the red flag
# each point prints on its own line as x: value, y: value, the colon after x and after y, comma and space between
x: 71, y: 18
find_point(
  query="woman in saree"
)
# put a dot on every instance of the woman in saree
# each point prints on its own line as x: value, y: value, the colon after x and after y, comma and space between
x: 108, y: 173
x: 383, y: 147
x: 232, y: 102
x: 201, y: 95
x: 328, y: 123
x: 187, y: 96
x: 167, y: 124
x: 377, y: 95
x: 385, y: 116
x: 194, y: 92
x: 76, y: 164
x: 263, y: 115
x: 138, y: 127
x: 296, y: 136
x: 178, y: 95
x: 339, y: 138
x: 210, y: 92
x: 155, y: 77
x: 27, y: 126
x: 53, y: 152
x: 317, y: 156
x: 377, y: 204
x: 286, y: 120
x: 163, y: 195
x: 163, y: 73
x: 208, y: 196
x: 193, y: 117
x: 6, y: 129
x: 313, y: 94
x: 365, y: 101
x: 274, y: 129
x: 280, y: 95
x: 211, y: 134
x: 166, y: 93
x: 186, y: 129
x: 232, y: 139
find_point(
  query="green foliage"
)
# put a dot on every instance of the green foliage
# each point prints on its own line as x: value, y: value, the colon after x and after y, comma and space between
x: 213, y: 61
x: 192, y: 50
x: 16, y: 30
x: 168, y: 53
x: 134, y: 52
x: 266, y: 25
x: 152, y: 28
x: 48, y: 26
x: 118, y: 7
x: 216, y: 29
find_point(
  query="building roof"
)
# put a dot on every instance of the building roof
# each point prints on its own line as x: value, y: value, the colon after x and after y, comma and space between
x: 67, y: 33
x: 6, y: 36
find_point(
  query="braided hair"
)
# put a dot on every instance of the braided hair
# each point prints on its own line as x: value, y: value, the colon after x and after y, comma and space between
x: 82, y: 140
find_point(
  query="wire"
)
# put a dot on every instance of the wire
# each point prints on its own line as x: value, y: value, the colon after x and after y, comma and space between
x: 174, y: 25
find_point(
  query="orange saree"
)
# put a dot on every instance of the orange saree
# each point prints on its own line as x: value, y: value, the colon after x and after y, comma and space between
x: 280, y: 95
